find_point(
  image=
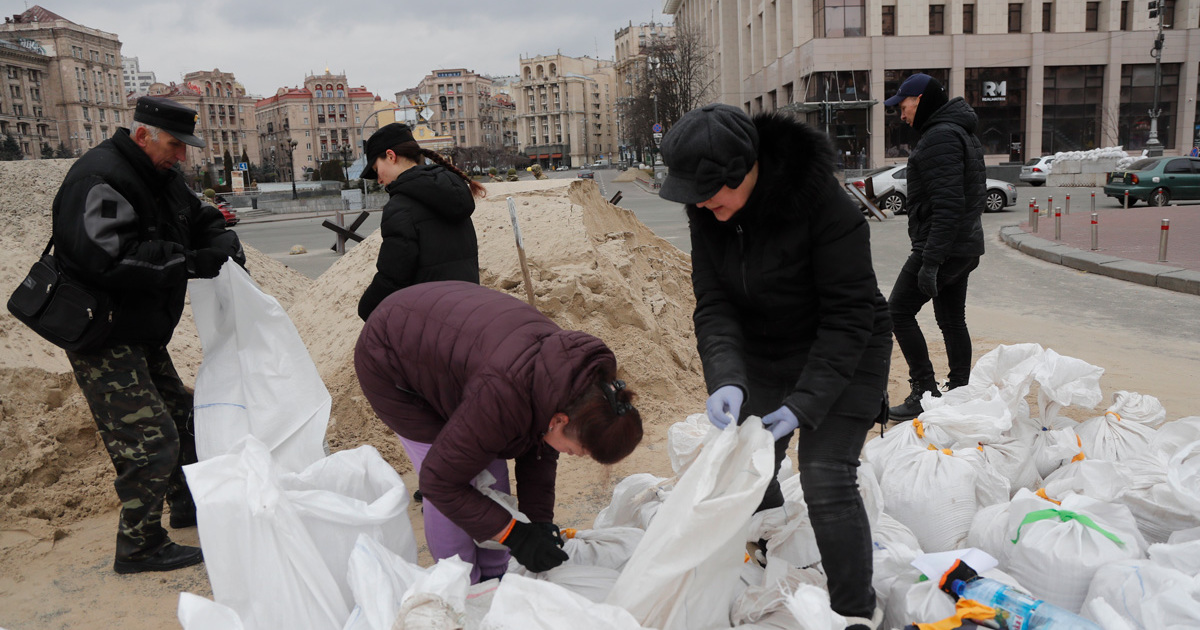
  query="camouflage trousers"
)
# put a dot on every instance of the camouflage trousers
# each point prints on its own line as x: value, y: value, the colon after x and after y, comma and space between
x: 144, y: 415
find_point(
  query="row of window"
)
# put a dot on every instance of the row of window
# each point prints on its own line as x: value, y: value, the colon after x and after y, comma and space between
x: 847, y: 18
x: 14, y: 72
x: 18, y: 109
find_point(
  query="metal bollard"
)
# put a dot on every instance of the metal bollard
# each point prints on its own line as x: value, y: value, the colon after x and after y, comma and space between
x: 1095, y: 232
x: 1162, y: 240
x: 1093, y: 201
x: 1068, y: 204
x: 1034, y: 224
x: 1126, y: 199
x: 1058, y: 224
x: 1032, y: 201
x: 1049, y: 204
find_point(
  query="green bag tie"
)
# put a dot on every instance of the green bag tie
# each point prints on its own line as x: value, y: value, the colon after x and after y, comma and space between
x: 1064, y: 516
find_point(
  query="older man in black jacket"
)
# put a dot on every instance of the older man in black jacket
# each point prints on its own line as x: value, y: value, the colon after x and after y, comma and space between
x: 125, y: 223
x: 946, y: 191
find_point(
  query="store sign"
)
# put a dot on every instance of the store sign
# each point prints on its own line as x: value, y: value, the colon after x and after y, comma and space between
x: 994, y: 92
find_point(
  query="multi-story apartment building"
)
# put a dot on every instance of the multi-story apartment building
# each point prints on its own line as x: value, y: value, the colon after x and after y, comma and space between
x: 567, y: 110
x: 1044, y: 75
x: 633, y: 45
x: 326, y: 119
x: 24, y: 68
x: 83, y: 90
x: 226, y: 119
x: 504, y: 104
x: 462, y: 106
x: 137, y: 82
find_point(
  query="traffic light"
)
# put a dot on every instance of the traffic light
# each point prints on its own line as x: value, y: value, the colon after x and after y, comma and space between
x: 1154, y: 8
x: 442, y: 100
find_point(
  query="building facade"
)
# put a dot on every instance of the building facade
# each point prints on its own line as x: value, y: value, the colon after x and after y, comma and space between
x: 326, y: 119
x: 137, y: 82
x: 226, y: 120
x: 462, y: 107
x: 1043, y: 76
x: 23, y: 103
x: 634, y: 46
x: 83, y: 90
x: 504, y: 103
x: 566, y: 110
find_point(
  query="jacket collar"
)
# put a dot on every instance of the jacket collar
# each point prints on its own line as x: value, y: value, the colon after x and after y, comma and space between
x: 138, y: 159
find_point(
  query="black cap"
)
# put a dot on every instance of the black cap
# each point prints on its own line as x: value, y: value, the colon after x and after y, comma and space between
x: 710, y: 147
x: 912, y: 86
x: 171, y: 117
x: 384, y: 138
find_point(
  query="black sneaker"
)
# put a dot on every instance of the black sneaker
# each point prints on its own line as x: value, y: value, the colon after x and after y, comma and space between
x: 911, y: 408
x: 170, y: 557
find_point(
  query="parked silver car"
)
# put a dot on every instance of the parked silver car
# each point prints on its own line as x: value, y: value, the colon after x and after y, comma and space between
x: 1036, y: 170
x: 891, y: 189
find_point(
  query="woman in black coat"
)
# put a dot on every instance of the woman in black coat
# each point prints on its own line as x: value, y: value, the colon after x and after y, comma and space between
x: 427, y: 230
x: 790, y: 323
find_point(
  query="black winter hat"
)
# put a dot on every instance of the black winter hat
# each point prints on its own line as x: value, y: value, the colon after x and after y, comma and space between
x: 384, y: 138
x: 173, y: 118
x: 710, y: 147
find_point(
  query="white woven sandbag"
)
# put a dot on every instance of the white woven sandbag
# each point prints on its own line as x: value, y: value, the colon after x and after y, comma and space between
x: 684, y: 440
x: 766, y: 605
x: 1157, y: 506
x: 1057, y: 557
x: 933, y: 493
x: 917, y: 600
x: 872, y: 495
x: 990, y: 486
x: 789, y: 534
x: 1008, y: 368
x: 890, y: 562
x: 390, y: 590
x: 1183, y: 474
x: 522, y: 603
x: 989, y: 528
x: 1111, y: 437
x: 890, y: 532
x: 1140, y: 408
x: 1065, y: 382
x: 905, y: 435
x: 635, y: 501
x: 809, y: 606
x: 1013, y: 460
x: 610, y: 548
x: 1051, y: 449
x: 1176, y: 608
x: 1105, y: 616
x: 1100, y: 480
x: 968, y: 423
x: 1179, y: 554
x: 1174, y: 435
x: 1135, y: 585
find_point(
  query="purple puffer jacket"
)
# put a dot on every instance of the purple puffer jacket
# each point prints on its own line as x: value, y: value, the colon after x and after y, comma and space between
x: 477, y: 374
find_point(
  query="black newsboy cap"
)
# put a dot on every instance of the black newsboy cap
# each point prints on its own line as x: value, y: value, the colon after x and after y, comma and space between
x: 171, y: 117
x: 384, y: 138
x: 710, y: 147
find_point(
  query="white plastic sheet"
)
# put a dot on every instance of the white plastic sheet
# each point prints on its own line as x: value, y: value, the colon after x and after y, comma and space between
x: 684, y: 572
x: 257, y: 377
x: 277, y: 545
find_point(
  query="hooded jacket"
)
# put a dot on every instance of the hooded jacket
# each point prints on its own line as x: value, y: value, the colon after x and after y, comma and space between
x: 478, y: 374
x: 789, y: 277
x: 947, y: 186
x: 427, y: 234
x: 123, y: 226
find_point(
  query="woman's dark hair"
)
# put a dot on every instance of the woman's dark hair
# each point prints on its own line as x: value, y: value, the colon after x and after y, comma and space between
x: 608, y: 437
x: 415, y: 152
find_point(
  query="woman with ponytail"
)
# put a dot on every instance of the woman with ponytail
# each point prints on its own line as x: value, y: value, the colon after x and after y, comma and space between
x: 469, y: 378
x: 427, y: 230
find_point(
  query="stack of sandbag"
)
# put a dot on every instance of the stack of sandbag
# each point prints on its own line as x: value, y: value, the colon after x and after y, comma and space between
x: 1162, y: 591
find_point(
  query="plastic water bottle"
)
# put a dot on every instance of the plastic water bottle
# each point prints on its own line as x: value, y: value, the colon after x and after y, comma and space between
x: 1018, y: 611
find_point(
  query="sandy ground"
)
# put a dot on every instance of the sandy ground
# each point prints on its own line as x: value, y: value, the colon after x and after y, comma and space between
x: 594, y: 267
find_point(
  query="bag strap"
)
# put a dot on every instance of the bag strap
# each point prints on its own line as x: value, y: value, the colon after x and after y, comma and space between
x: 49, y: 245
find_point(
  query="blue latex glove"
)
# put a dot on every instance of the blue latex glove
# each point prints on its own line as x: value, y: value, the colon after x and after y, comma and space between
x: 780, y: 422
x: 726, y: 400
x: 927, y: 279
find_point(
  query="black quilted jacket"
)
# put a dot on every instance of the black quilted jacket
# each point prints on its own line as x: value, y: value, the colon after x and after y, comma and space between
x: 947, y: 186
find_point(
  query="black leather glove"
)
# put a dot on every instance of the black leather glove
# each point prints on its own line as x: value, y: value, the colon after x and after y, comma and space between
x: 533, y: 547
x: 205, y: 263
x: 927, y: 279
x: 552, y: 530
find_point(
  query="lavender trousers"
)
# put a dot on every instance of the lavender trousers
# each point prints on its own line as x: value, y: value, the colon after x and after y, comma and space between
x: 444, y: 538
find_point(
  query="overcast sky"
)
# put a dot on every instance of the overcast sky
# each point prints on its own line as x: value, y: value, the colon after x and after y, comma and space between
x: 385, y: 46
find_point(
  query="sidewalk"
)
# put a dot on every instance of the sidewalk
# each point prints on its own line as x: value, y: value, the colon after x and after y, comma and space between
x: 1128, y: 242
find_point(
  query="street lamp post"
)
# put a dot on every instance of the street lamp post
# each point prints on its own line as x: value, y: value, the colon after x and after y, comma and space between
x: 1153, y: 146
x: 292, y: 144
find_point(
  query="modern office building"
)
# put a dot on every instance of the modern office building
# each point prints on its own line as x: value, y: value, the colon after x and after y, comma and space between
x: 1044, y: 76
x: 566, y: 110
x: 137, y: 82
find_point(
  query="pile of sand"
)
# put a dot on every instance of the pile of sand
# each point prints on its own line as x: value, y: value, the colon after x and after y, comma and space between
x: 594, y: 268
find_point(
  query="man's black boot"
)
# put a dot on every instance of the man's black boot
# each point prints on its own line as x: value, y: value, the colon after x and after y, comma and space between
x: 911, y: 408
x: 168, y: 558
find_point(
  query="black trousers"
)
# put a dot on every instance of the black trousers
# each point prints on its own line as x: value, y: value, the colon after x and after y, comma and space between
x: 949, y: 308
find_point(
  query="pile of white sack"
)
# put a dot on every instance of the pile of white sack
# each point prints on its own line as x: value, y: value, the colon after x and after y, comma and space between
x: 1100, y: 517
x: 1092, y: 155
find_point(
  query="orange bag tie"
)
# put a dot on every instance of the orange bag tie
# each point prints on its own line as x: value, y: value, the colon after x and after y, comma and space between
x: 568, y: 533
x: 1079, y: 457
x: 1113, y: 414
x: 918, y: 427
x: 1041, y: 492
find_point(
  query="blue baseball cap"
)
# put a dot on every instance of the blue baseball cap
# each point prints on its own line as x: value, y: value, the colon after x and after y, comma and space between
x: 913, y: 86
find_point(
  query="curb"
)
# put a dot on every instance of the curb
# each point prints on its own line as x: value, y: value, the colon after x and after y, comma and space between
x: 1148, y: 274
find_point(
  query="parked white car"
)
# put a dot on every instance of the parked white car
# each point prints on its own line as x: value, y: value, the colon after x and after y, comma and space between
x: 1036, y: 170
x: 1000, y: 194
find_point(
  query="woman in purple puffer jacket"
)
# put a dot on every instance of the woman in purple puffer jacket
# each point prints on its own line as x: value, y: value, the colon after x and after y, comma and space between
x: 468, y: 378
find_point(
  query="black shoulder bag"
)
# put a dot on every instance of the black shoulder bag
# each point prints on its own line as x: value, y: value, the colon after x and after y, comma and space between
x: 66, y: 313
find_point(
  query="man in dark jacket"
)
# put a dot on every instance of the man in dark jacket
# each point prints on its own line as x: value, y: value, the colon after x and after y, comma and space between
x: 946, y: 191
x: 125, y: 223
x: 789, y: 317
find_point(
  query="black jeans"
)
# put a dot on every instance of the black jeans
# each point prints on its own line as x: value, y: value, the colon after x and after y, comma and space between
x: 828, y: 465
x: 949, y: 308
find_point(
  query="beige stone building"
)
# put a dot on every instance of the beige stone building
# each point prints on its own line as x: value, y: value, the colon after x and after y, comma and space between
x: 1048, y: 76
x: 326, y: 119
x: 226, y: 119
x: 631, y: 45
x: 566, y: 110
x: 504, y: 103
x: 461, y: 107
x: 82, y: 93
x: 24, y: 68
